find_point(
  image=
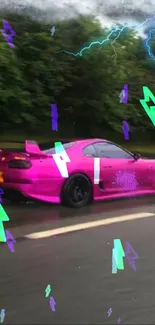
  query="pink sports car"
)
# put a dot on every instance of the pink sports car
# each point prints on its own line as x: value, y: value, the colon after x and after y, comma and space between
x: 95, y: 169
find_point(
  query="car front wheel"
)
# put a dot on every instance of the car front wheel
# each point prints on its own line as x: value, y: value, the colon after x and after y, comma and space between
x: 77, y: 191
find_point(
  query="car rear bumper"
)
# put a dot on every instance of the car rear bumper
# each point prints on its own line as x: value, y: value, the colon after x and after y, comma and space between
x: 29, y: 191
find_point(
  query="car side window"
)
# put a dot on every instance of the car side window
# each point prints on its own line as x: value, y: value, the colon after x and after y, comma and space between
x: 89, y: 151
x: 109, y: 150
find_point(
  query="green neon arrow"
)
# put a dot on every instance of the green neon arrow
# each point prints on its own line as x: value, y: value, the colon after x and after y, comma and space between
x: 148, y: 96
x: 3, y: 217
x: 118, y: 252
x: 59, y: 148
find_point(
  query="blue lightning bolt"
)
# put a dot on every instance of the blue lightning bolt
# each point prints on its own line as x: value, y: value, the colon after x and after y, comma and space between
x: 115, y: 54
x: 96, y: 42
x: 148, y: 47
x: 119, y: 30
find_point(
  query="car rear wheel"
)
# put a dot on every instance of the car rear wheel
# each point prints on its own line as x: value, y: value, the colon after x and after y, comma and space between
x: 77, y: 191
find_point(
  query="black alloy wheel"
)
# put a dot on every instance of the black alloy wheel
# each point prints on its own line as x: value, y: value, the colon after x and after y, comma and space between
x: 77, y: 191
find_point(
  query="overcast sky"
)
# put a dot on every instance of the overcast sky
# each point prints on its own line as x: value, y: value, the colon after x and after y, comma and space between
x: 110, y: 12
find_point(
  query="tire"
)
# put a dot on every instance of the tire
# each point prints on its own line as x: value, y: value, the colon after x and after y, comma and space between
x: 77, y: 191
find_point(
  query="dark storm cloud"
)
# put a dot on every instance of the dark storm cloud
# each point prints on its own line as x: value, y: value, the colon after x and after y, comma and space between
x: 124, y: 11
x: 111, y: 10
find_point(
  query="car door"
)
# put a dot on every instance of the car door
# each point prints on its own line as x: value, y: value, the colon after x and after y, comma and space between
x: 119, y: 171
x: 143, y: 171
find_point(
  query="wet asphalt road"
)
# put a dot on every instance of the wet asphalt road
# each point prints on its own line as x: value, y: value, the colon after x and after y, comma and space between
x: 78, y: 266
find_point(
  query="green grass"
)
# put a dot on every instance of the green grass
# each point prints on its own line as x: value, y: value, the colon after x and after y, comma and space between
x: 11, y: 145
x: 16, y: 137
x: 132, y: 148
x: 22, y: 137
x: 141, y: 148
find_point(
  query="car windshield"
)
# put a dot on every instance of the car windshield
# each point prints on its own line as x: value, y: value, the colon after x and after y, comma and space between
x: 65, y: 145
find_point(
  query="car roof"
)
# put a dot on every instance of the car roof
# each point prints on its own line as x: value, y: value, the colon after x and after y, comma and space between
x: 89, y: 141
x: 78, y: 143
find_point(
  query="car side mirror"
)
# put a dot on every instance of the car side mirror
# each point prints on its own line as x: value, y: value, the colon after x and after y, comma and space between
x: 137, y: 156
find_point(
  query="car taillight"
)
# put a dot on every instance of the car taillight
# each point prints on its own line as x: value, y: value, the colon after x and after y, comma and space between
x: 20, y: 164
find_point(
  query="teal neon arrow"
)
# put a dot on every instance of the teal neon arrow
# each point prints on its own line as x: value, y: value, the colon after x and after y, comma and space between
x: 59, y: 148
x: 3, y: 217
x: 118, y: 252
x: 148, y: 96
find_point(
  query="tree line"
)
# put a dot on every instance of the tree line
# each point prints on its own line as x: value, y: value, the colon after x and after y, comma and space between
x: 37, y: 72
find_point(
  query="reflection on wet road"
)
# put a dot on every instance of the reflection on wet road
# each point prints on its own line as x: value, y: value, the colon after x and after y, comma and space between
x: 39, y: 213
x: 78, y: 265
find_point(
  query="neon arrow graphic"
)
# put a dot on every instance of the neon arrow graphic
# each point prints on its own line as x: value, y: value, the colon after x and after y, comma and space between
x: 148, y: 96
x: 2, y: 315
x: 131, y: 260
x: 118, y: 253
x: 1, y: 192
x: 61, y: 163
x: 3, y: 217
x: 52, y: 303
x: 54, y: 115
x: 1, y: 177
x: 8, y: 37
x: 10, y: 241
x: 48, y: 290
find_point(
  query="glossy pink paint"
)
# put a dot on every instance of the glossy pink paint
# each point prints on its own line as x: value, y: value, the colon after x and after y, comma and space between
x: 43, y: 181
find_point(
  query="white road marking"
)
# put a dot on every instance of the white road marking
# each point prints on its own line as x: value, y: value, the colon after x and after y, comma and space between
x: 87, y: 225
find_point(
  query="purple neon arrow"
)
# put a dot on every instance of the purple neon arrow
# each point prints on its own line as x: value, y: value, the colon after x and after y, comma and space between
x: 10, y: 240
x: 126, y: 130
x: 52, y: 303
x: 54, y: 115
x: 1, y: 192
x: 8, y: 37
x: 125, y: 97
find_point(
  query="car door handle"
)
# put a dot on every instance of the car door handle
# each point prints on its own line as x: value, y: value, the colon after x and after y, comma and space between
x: 107, y: 166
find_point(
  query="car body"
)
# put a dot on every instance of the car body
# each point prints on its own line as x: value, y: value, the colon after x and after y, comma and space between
x: 34, y: 174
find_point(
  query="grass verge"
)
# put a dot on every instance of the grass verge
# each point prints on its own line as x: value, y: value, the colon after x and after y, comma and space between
x: 141, y: 148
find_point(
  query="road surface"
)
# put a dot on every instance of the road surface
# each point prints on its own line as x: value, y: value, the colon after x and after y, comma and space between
x: 78, y: 264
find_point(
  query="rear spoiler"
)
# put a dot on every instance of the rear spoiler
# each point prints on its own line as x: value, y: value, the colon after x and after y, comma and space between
x: 32, y: 147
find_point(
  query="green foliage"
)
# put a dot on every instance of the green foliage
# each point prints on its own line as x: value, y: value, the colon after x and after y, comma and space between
x: 86, y: 88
